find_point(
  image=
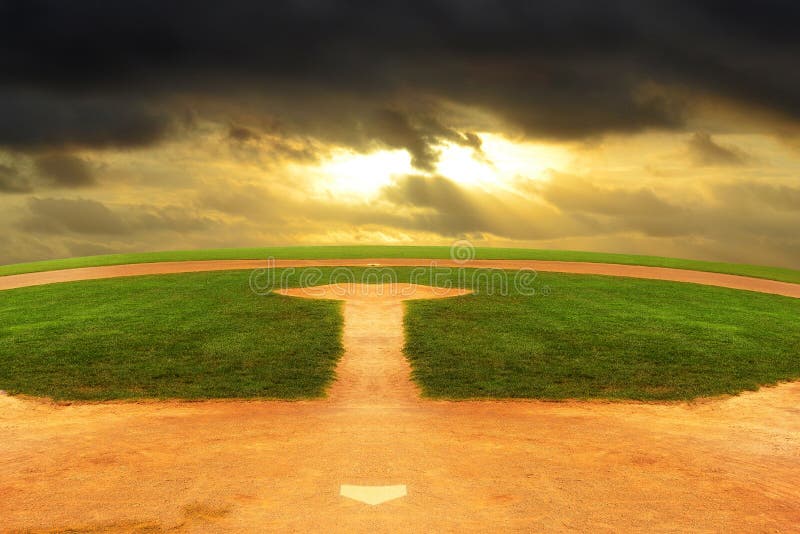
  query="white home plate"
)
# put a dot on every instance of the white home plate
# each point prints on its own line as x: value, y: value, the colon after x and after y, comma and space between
x: 373, y: 495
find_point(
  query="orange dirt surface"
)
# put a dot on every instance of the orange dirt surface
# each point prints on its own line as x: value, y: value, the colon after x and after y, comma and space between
x: 249, y: 466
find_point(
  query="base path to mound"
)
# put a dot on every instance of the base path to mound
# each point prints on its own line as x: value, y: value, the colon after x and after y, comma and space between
x: 235, y: 466
x: 632, y: 271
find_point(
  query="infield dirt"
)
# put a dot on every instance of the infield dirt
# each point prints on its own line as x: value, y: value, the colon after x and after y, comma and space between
x: 722, y: 464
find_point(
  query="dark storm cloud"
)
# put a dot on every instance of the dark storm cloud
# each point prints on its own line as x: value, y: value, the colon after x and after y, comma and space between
x: 394, y: 130
x: 56, y: 216
x: 35, y: 120
x: 566, y: 69
x: 241, y: 134
x: 760, y: 196
x: 638, y: 209
x: 705, y: 151
x: 11, y: 181
x: 249, y: 143
x: 418, y: 135
x: 439, y: 205
x: 64, y: 170
x: 450, y: 210
x: 734, y: 212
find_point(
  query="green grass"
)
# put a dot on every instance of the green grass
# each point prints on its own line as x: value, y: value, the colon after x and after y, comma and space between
x: 352, y: 252
x: 188, y: 336
x: 205, y: 335
x: 603, y: 337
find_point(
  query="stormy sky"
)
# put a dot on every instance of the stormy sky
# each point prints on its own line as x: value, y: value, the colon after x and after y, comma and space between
x: 659, y: 127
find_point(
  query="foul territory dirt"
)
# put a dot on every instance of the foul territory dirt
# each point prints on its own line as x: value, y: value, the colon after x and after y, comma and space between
x: 723, y: 464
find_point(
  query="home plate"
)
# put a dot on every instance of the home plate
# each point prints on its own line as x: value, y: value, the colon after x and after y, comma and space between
x: 373, y: 495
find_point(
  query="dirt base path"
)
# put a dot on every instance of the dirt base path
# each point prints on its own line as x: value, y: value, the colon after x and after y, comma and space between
x: 373, y: 372
x: 729, y: 464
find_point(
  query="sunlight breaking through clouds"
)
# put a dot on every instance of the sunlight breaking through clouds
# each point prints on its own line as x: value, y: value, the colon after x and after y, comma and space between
x: 499, y: 164
x: 511, y: 124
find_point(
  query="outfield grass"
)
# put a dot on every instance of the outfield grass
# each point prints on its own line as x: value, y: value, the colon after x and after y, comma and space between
x: 205, y: 335
x: 354, y: 252
x: 603, y: 337
x: 188, y: 336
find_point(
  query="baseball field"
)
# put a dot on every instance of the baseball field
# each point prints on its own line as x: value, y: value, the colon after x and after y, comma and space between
x: 398, y: 388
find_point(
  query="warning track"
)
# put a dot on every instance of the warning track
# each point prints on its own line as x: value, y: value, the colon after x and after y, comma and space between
x: 609, y: 269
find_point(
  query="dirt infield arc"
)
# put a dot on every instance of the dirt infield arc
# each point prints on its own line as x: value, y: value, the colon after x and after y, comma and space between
x: 235, y: 466
x: 609, y: 269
